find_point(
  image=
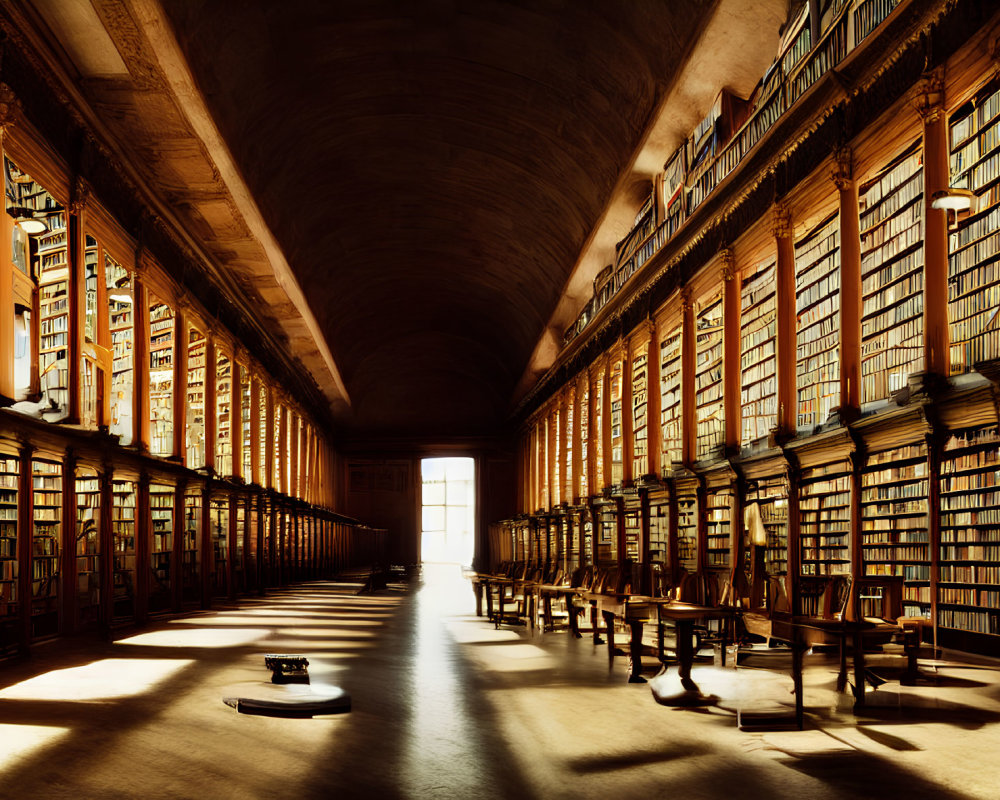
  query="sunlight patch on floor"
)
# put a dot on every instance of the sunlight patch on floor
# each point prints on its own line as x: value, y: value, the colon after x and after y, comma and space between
x: 107, y: 679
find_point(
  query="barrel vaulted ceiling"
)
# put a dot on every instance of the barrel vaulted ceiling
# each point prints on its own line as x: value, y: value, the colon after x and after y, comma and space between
x: 403, y: 190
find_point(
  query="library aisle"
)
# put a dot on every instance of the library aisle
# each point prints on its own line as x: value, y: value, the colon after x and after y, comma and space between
x: 444, y: 705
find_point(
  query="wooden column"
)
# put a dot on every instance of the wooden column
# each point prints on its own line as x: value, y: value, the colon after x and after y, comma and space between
x: 281, y: 456
x: 731, y: 382
x: 654, y: 428
x: 25, y: 533
x: 850, y: 284
x: 793, y: 538
x: 936, y: 179
x: 67, y: 547
x: 143, y: 548
x: 75, y: 283
x: 786, y: 321
x: 260, y: 561
x: 9, y: 109
x: 688, y: 359
x: 645, y: 586
x: 934, y: 444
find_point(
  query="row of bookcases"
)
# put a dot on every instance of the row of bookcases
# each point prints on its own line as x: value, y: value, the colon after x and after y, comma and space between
x: 180, y: 374
x: 168, y: 578
x: 957, y: 577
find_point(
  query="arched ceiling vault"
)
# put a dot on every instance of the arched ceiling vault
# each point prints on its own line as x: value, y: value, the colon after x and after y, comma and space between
x: 425, y: 186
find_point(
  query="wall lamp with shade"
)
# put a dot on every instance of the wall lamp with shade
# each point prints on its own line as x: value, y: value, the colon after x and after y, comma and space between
x: 952, y: 201
x: 26, y: 220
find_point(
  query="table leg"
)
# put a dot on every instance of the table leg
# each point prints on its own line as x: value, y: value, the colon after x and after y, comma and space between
x: 685, y: 653
x: 635, y: 652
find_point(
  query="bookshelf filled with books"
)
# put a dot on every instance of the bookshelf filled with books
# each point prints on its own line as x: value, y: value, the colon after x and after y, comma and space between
x: 162, y: 325
x: 892, y: 275
x: 615, y: 387
x: 245, y: 547
x: 633, y: 526
x: 123, y: 542
x: 817, y: 308
x: 9, y: 606
x: 197, y: 374
x: 969, y: 560
x: 771, y: 496
x: 670, y: 401
x: 894, y: 522
x: 709, y: 414
x: 825, y: 519
x: 597, y: 438
x: 261, y: 476
x: 973, y: 271
x: 121, y: 307
x: 758, y: 381
x: 659, y: 527
x: 161, y: 507
x: 246, y: 437
x: 607, y: 540
x: 568, y: 493
x: 640, y: 434
x: 88, y: 546
x: 687, y: 528
x: 46, y: 480
x: 583, y: 391
x: 219, y: 511
x: 223, y: 415
x: 190, y: 555
x: 719, y: 505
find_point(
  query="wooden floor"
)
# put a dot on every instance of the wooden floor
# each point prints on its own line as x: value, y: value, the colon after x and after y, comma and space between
x: 446, y: 706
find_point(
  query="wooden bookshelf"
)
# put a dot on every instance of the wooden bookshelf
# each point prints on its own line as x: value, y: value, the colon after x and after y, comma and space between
x: 88, y: 547
x: 719, y: 505
x: 223, y: 415
x: 607, y: 541
x: 973, y: 272
x: 771, y: 496
x: 161, y: 507
x: 892, y: 337
x: 219, y: 511
x: 46, y: 480
x: 825, y: 519
x: 670, y: 400
x: 633, y: 528
x: 123, y: 542
x: 190, y: 561
x: 584, y: 426
x: 894, y: 522
x: 640, y: 415
x: 162, y: 324
x: 817, y: 308
x: 709, y: 412
x: 758, y: 380
x: 9, y: 605
x: 195, y: 405
x: 968, y: 589
x: 245, y: 421
x: 121, y: 308
x: 615, y: 380
x: 659, y: 527
x: 597, y: 393
x: 687, y: 529
x: 566, y: 435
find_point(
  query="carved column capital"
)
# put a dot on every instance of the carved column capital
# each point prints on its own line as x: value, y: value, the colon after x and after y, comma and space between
x: 10, y: 108
x: 726, y: 271
x: 80, y: 195
x: 687, y: 303
x: 843, y: 167
x: 781, y: 221
x: 929, y: 101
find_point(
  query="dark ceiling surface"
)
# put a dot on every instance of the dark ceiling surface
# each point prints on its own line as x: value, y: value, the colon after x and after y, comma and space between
x: 432, y: 170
